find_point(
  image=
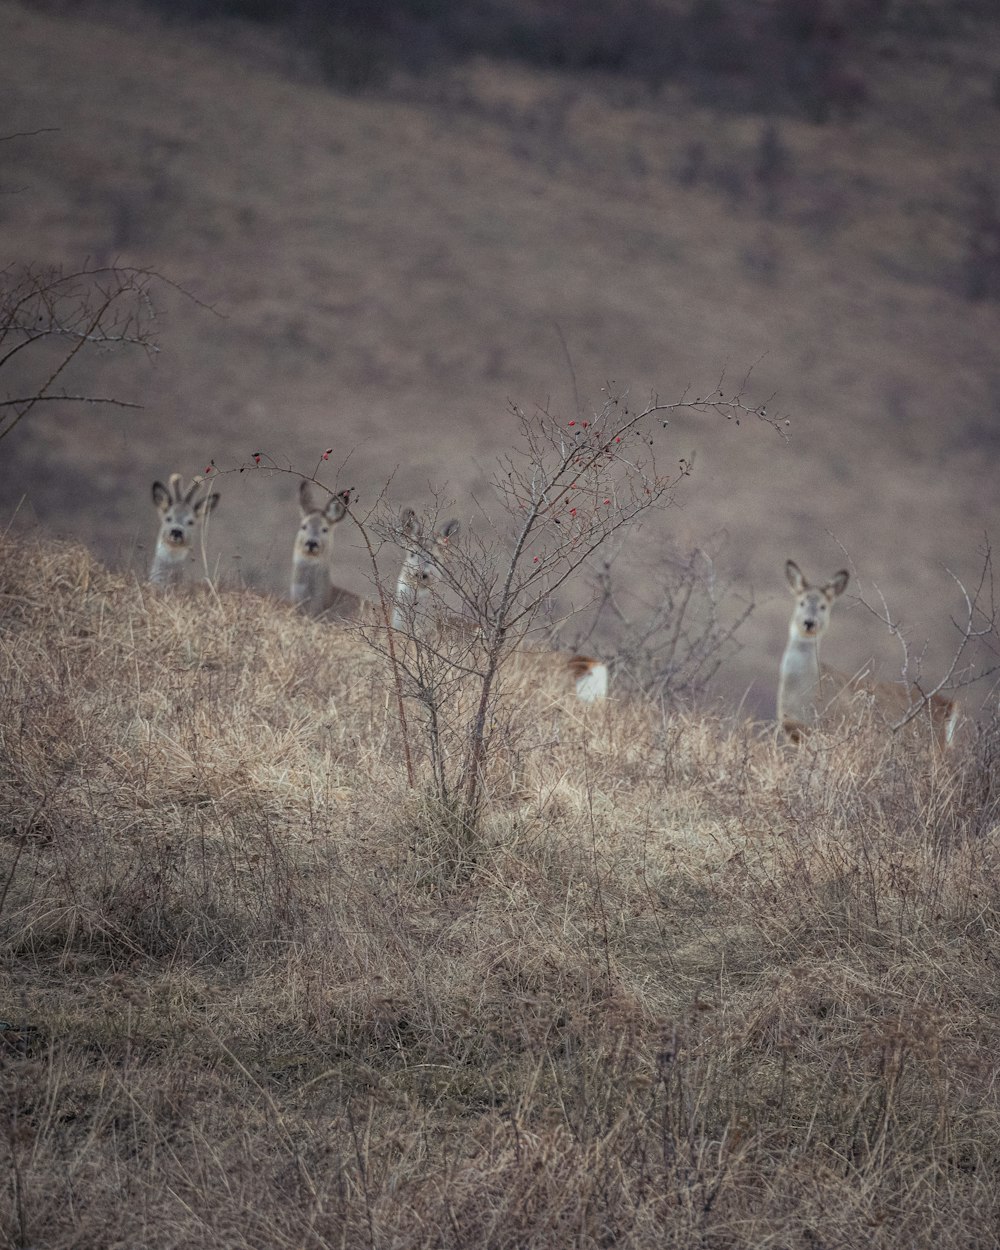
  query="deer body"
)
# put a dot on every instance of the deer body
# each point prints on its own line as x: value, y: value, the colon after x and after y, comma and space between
x: 810, y: 692
x: 180, y: 515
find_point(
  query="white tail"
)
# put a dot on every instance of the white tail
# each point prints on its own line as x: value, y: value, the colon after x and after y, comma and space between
x: 810, y: 692
x: 180, y: 515
x: 590, y: 676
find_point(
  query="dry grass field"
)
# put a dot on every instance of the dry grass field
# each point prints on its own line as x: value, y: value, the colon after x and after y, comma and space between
x: 388, y: 270
x: 682, y: 986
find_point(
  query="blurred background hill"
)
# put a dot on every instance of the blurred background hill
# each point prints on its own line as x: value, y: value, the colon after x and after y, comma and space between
x: 397, y: 219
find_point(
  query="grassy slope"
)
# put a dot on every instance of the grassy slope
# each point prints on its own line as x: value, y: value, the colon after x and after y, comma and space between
x: 683, y: 986
x: 392, y: 270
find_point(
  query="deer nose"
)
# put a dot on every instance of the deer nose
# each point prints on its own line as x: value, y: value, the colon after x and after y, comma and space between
x: 809, y: 625
x: 312, y: 545
x: 177, y: 535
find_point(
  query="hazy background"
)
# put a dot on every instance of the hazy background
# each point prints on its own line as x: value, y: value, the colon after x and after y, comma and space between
x: 405, y: 221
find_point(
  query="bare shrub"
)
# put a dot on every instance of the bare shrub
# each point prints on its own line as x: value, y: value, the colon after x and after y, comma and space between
x: 974, y: 663
x: 49, y: 315
x: 673, y: 637
x: 567, y: 490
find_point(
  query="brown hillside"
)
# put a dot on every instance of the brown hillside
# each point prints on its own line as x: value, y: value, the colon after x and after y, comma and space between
x: 679, y: 986
x: 389, y: 270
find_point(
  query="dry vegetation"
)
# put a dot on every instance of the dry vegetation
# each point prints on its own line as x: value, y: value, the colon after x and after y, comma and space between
x: 392, y: 268
x: 684, y: 987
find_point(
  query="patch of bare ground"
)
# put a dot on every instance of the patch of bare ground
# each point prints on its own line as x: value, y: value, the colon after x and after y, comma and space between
x: 684, y: 986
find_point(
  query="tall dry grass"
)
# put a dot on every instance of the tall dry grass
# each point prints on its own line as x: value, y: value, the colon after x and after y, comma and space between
x: 684, y: 987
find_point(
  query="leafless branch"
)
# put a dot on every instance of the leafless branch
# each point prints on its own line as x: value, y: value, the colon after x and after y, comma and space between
x: 49, y: 315
x: 979, y: 624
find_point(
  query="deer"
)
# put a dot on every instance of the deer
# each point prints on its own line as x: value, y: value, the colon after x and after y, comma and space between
x: 313, y: 589
x: 810, y: 692
x: 426, y: 554
x: 422, y: 567
x: 180, y: 515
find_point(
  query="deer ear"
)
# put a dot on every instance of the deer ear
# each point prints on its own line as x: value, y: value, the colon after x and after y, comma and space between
x: 836, y: 587
x: 336, y: 509
x: 449, y: 530
x: 161, y: 496
x: 409, y: 525
x: 306, y: 498
x: 191, y: 491
x: 795, y: 579
x: 204, y: 506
